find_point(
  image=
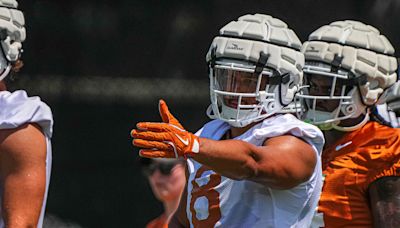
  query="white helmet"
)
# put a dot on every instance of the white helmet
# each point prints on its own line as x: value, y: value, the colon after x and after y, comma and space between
x: 255, y: 67
x: 357, y: 61
x: 12, y: 34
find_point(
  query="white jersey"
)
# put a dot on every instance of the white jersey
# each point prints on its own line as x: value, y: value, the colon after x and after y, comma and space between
x: 17, y: 109
x: 217, y: 201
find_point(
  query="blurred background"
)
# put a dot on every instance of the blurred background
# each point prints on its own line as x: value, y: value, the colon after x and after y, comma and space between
x: 102, y: 66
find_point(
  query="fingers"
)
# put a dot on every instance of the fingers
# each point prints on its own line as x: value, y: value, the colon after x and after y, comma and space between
x: 150, y: 126
x: 166, y: 115
x: 163, y: 109
x: 155, y: 137
x: 151, y: 136
x: 156, y: 154
x: 152, y: 144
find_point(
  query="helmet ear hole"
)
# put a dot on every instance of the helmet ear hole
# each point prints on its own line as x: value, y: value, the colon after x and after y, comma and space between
x: 271, y: 106
x: 348, y: 109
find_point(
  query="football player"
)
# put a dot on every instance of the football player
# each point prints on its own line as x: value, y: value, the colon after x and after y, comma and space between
x: 25, y: 131
x: 250, y: 167
x: 348, y: 67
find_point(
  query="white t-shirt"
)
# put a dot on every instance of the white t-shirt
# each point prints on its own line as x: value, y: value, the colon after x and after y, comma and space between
x: 17, y: 109
x: 217, y: 201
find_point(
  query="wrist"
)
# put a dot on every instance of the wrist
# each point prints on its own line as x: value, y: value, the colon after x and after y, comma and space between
x: 194, y: 147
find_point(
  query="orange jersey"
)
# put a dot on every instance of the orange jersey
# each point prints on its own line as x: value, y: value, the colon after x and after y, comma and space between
x: 159, y: 222
x: 349, y: 167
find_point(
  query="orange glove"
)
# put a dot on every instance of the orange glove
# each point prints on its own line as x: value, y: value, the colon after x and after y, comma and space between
x: 167, y: 140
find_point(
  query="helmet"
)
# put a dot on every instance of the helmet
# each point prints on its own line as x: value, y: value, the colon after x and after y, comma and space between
x: 389, y: 113
x: 354, y: 64
x: 255, y: 67
x: 12, y: 34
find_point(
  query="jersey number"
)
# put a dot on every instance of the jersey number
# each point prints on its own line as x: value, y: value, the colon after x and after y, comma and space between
x: 208, y: 191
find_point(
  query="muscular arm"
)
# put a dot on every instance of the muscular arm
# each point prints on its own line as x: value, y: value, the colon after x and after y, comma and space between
x: 23, y: 175
x: 385, y: 202
x: 282, y: 162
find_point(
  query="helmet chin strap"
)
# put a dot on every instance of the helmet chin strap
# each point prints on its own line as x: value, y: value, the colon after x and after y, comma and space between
x: 5, y: 72
x: 210, y: 113
x: 352, y: 128
x: 229, y: 115
x: 238, y: 117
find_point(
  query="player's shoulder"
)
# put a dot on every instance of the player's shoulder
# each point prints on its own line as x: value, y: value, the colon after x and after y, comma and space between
x: 380, y: 131
x: 285, y: 119
x: 17, y: 108
x: 288, y: 122
x: 212, y: 127
x: 10, y: 139
x: 17, y: 152
x: 17, y: 100
x: 378, y: 142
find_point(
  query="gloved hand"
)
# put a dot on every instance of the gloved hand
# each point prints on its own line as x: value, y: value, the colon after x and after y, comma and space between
x: 166, y: 140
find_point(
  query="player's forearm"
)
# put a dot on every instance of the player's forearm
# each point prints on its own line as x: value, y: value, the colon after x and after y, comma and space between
x: 278, y: 166
x: 231, y: 158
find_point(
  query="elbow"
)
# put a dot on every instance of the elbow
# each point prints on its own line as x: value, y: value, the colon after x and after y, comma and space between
x: 291, y: 178
x: 307, y: 175
x: 249, y: 171
x: 280, y: 178
x: 294, y: 180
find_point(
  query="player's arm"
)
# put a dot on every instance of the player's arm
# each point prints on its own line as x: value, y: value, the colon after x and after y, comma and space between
x: 23, y: 175
x: 384, y: 196
x: 282, y: 162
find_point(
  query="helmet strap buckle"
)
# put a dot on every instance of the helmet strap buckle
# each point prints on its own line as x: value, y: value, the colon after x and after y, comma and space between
x: 262, y: 62
x: 337, y: 61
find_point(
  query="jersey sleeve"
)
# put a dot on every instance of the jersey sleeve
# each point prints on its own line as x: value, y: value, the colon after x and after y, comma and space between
x: 17, y: 109
x: 289, y: 125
